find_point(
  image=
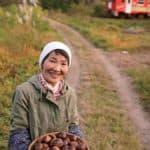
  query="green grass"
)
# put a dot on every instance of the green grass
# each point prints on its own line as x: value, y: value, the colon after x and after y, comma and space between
x: 142, y: 81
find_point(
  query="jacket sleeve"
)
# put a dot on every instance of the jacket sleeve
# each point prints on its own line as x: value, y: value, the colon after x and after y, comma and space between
x: 72, y: 109
x: 74, y: 116
x: 19, y: 133
x: 20, y: 109
x: 19, y: 139
x: 75, y: 129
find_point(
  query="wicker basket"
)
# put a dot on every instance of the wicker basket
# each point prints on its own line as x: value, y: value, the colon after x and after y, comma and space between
x: 80, y: 143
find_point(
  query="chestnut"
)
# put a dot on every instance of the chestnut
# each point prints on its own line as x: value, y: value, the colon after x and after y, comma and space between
x: 53, y: 136
x: 46, y: 139
x: 66, y: 141
x: 68, y: 147
x: 55, y: 148
x: 73, y: 137
x: 38, y: 146
x: 73, y: 144
x: 62, y: 135
x: 45, y: 145
x: 81, y: 146
x: 47, y: 148
x: 56, y: 142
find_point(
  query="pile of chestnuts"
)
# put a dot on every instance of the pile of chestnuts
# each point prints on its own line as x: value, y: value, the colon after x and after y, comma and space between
x: 58, y: 141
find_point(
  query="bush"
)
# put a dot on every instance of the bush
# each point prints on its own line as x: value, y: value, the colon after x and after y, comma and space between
x: 13, y: 9
x: 99, y: 11
x: 63, y: 5
x: 8, y: 18
x: 142, y: 82
x: 8, y: 2
x: 81, y: 10
x: 39, y: 24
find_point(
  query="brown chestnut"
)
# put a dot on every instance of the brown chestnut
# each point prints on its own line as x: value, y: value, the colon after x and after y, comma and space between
x: 38, y: 146
x: 62, y: 135
x: 46, y: 139
x: 81, y: 146
x: 73, y: 137
x: 57, y: 142
x: 55, y: 148
x: 47, y: 148
x: 53, y: 136
x: 45, y: 145
x: 73, y: 144
x: 68, y: 147
x: 66, y: 141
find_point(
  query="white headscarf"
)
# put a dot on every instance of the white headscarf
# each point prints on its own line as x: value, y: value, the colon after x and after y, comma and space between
x: 51, y: 46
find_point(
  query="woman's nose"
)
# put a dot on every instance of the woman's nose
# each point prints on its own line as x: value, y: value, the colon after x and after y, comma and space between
x: 57, y: 67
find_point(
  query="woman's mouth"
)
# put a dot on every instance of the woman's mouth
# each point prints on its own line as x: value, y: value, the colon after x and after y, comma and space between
x: 54, y: 74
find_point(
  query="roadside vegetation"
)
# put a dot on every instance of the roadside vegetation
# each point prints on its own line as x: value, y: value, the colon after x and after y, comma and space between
x: 141, y: 76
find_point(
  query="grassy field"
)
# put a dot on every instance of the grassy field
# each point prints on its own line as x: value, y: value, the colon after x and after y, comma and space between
x: 141, y: 76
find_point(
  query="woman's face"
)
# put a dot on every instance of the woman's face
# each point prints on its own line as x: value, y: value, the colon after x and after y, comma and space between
x: 54, y: 68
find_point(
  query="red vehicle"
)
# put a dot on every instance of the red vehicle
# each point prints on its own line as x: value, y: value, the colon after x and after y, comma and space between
x: 138, y: 8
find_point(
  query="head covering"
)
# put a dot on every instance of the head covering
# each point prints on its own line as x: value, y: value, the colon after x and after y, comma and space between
x: 51, y: 46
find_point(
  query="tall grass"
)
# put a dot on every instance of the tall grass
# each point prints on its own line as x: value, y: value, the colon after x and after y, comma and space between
x: 142, y: 81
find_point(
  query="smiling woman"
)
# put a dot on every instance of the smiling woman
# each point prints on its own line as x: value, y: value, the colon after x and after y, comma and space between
x: 46, y: 102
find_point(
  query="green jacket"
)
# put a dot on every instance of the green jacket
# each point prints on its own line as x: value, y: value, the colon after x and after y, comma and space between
x: 34, y: 108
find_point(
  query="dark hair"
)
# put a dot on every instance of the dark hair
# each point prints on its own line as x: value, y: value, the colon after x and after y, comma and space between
x: 57, y: 51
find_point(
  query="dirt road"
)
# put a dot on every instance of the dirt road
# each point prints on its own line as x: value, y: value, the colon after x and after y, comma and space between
x: 124, y: 88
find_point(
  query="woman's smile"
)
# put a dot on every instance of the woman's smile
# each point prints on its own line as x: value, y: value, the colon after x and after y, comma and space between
x: 54, y: 74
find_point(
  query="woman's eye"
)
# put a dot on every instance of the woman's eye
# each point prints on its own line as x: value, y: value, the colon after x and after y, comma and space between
x: 64, y: 64
x: 52, y: 61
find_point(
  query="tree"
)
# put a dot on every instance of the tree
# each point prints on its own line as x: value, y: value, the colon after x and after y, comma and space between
x: 63, y: 5
x: 8, y: 2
